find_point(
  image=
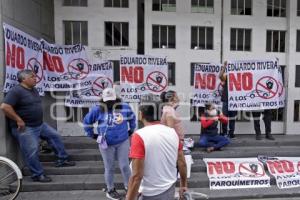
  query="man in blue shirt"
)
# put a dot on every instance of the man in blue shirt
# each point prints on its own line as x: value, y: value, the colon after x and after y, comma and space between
x: 23, y: 106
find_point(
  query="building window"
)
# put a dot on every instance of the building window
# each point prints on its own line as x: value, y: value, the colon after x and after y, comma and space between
x: 82, y: 3
x: 202, y: 37
x: 75, y: 114
x: 241, y: 7
x: 116, y: 33
x: 76, y: 32
x: 116, y: 3
x: 202, y: 6
x: 163, y: 36
x: 276, y: 8
x: 171, y: 73
x: 116, y: 68
x: 277, y: 114
x: 240, y: 39
x: 297, y: 111
x: 298, y: 41
x: 164, y: 5
x: 297, y: 76
x: 275, y: 41
x: 195, y: 112
x: 298, y: 7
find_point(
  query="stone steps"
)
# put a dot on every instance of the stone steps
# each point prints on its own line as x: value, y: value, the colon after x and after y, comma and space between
x: 85, y: 180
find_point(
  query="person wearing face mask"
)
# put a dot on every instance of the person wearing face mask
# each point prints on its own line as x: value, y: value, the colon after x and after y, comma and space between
x: 169, y: 115
x: 209, y: 138
x: 116, y: 122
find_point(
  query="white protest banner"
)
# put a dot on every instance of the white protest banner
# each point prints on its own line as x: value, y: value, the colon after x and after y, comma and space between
x: 207, y: 85
x: 286, y: 171
x: 234, y: 173
x: 141, y: 74
x: 255, y: 85
x: 99, y: 78
x: 66, y: 66
x: 22, y: 51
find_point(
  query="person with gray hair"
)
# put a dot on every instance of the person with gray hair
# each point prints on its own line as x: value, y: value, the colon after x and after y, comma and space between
x: 23, y: 107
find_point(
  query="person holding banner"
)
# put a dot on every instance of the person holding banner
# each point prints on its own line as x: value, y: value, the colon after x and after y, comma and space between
x: 169, y: 116
x: 157, y: 156
x: 113, y: 117
x: 23, y: 106
x: 267, y: 120
x: 209, y: 138
x: 224, y: 98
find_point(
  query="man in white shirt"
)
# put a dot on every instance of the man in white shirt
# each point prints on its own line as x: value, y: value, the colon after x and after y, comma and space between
x: 156, y: 154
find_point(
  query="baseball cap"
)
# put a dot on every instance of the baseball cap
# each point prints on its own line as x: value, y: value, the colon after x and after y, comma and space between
x: 109, y: 94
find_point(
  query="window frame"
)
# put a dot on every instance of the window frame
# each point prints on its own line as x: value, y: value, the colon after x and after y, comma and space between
x: 71, y: 23
x: 297, y: 84
x: 160, y: 45
x: 237, y: 8
x: 122, y: 4
x: 113, y: 23
x: 197, y: 47
x: 296, y: 106
x: 172, y: 68
x: 206, y: 9
x: 298, y: 40
x: 236, y: 45
x: 279, y: 32
x: 168, y: 7
x: 273, y: 8
x: 72, y: 4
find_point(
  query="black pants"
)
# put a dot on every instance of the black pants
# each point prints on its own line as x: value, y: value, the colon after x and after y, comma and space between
x: 267, y: 120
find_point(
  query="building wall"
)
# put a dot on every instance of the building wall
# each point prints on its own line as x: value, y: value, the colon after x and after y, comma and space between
x: 34, y: 17
x: 183, y: 55
x: 96, y: 14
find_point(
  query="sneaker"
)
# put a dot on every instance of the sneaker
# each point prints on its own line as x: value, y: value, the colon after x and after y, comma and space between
x: 41, y: 179
x: 113, y: 194
x: 270, y: 137
x: 65, y: 163
x: 231, y: 136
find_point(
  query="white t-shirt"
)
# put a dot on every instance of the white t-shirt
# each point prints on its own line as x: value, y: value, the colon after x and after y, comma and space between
x: 158, y: 145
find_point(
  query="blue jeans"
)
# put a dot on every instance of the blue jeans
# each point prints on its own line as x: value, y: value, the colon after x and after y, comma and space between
x: 216, y: 141
x: 231, y: 117
x: 121, y: 151
x: 29, y: 140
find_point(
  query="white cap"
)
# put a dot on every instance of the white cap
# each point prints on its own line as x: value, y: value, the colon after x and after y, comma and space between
x: 109, y: 94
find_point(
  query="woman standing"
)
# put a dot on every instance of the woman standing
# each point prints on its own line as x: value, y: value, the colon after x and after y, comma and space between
x: 169, y: 116
x: 113, y: 117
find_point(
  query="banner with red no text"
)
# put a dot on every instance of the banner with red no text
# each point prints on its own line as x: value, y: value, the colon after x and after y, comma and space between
x: 255, y: 85
x: 142, y: 74
x: 235, y: 173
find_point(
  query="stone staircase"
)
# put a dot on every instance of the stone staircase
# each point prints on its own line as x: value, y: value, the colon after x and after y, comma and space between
x: 86, y: 180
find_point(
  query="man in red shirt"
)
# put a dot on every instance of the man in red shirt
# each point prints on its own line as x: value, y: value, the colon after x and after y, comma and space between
x: 156, y: 153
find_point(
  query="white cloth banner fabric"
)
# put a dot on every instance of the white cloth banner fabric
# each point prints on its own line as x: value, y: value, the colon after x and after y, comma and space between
x: 142, y: 74
x: 66, y: 66
x: 235, y: 173
x: 207, y: 84
x: 255, y: 85
x: 99, y: 78
x: 22, y: 51
x: 286, y: 171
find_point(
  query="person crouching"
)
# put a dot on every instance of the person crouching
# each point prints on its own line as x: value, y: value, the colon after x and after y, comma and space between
x: 209, y: 138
